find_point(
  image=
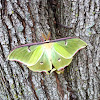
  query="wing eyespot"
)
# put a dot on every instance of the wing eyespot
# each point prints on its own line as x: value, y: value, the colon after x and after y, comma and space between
x: 59, y: 60
x: 65, y: 43
x: 41, y: 63
x: 29, y: 50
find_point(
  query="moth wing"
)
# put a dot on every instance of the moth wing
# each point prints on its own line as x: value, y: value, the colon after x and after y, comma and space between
x: 43, y: 64
x: 59, y: 61
x: 67, y: 48
x: 27, y: 55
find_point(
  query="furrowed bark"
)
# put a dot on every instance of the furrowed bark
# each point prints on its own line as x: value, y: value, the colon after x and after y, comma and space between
x: 23, y: 21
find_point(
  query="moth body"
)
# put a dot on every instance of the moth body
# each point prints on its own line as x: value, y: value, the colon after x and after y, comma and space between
x: 48, y: 48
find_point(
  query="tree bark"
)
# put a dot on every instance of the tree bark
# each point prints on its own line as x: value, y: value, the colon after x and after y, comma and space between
x: 23, y: 21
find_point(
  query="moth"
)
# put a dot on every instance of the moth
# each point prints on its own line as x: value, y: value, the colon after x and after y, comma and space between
x: 47, y: 56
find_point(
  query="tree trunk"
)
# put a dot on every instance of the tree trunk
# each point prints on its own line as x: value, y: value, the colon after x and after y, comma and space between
x: 23, y: 21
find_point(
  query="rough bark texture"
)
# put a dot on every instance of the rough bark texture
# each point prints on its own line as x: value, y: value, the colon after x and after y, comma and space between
x: 23, y: 21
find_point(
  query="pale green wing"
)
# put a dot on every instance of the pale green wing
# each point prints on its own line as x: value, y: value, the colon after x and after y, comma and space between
x: 68, y: 48
x: 43, y: 64
x: 29, y: 55
x: 58, y: 61
x: 37, y: 57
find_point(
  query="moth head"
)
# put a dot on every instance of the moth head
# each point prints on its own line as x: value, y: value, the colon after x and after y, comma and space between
x: 46, y: 38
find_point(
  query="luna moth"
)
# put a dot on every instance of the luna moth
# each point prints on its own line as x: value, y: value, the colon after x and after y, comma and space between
x: 48, y: 56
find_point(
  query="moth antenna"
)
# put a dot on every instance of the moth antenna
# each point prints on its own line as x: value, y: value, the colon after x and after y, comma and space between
x: 41, y: 39
x: 49, y: 34
x: 44, y: 36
